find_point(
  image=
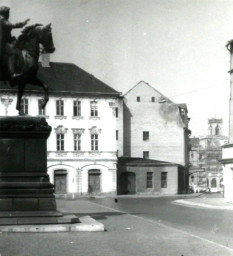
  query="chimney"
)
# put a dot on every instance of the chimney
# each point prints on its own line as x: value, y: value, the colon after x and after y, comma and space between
x: 45, y: 60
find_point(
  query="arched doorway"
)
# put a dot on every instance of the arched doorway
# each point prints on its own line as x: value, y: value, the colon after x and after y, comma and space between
x: 60, y: 181
x: 94, y: 181
x: 213, y: 183
x: 128, y: 183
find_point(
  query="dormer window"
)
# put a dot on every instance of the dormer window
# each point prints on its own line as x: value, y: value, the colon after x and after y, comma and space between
x: 138, y: 99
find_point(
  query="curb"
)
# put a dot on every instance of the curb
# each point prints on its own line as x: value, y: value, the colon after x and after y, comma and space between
x: 86, y: 224
x: 139, y: 196
x: 201, y: 205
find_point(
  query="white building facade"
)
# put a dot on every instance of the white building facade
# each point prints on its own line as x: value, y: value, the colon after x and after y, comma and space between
x: 227, y: 150
x: 82, y: 147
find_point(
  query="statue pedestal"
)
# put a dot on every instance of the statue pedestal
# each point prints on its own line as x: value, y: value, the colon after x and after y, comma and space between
x: 26, y: 194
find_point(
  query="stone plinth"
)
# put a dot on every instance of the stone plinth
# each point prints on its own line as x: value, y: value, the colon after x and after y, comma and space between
x: 26, y: 194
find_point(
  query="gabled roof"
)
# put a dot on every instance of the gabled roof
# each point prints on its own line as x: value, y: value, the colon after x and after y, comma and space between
x: 162, y: 96
x: 67, y: 78
x: 137, y: 161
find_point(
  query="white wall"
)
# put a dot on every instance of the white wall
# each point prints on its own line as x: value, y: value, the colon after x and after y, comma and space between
x: 161, y: 119
x: 77, y: 164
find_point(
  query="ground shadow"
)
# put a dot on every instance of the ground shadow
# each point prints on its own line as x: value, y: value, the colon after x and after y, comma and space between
x: 100, y: 215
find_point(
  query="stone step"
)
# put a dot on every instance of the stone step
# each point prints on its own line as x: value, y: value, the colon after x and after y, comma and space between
x: 26, y: 184
x: 39, y: 220
x: 25, y: 191
x: 23, y: 179
x: 27, y: 204
x: 28, y: 196
x: 24, y: 174
x: 4, y: 214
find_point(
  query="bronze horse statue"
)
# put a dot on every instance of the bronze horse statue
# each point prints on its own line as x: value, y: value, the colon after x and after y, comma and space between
x: 27, y: 48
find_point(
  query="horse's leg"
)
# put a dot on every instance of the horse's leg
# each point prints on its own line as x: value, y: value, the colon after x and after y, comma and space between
x: 21, y: 86
x: 37, y: 81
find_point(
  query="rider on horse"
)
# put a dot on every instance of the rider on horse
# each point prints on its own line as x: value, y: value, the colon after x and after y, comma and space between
x: 7, y: 42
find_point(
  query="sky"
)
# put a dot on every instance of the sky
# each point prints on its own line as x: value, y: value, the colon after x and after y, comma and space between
x: 177, y: 46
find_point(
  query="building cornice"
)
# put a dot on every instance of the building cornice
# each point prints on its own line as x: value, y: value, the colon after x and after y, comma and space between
x: 226, y: 161
x: 67, y: 93
x: 82, y: 160
x: 228, y: 146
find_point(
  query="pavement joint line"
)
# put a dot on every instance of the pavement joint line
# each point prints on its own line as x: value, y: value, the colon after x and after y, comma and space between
x: 168, y: 227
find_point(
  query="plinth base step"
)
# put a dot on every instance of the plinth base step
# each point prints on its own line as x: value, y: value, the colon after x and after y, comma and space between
x: 86, y: 223
x: 6, y: 214
x: 66, y: 219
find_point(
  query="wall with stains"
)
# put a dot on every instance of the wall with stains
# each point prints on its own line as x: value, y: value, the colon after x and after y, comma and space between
x: 162, y: 118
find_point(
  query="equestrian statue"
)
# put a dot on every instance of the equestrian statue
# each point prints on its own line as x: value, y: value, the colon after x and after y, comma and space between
x: 19, y: 56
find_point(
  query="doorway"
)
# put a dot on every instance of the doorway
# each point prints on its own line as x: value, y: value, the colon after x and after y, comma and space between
x: 60, y: 181
x: 128, y: 183
x: 94, y: 181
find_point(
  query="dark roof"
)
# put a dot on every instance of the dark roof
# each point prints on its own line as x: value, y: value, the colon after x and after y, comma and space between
x: 136, y: 161
x: 67, y: 78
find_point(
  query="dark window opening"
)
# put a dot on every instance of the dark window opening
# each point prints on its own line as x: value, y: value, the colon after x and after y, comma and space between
x: 60, y: 142
x: 145, y: 135
x: 163, y: 179
x: 149, y: 179
x: 146, y: 154
x: 59, y: 107
x: 77, y: 108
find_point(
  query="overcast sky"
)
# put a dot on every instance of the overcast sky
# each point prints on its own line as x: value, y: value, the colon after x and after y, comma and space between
x: 176, y: 46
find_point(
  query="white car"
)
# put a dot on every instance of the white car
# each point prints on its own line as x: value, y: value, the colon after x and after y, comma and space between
x: 198, y: 189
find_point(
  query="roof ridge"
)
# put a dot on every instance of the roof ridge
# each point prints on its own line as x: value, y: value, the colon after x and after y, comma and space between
x: 142, y: 81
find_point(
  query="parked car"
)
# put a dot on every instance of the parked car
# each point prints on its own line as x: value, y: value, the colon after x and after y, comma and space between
x: 199, y: 189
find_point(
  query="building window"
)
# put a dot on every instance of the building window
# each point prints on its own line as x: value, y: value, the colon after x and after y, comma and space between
x: 153, y: 99
x: 94, y: 142
x: 146, y: 154
x: 40, y: 109
x: 117, y: 134
x: 60, y: 142
x: 213, y: 183
x: 77, y: 108
x: 149, y: 179
x: 116, y: 111
x: 145, y: 135
x: 217, y: 130
x: 77, y: 142
x: 24, y: 106
x: 138, y: 99
x: 163, y: 179
x: 59, y: 107
x: 94, y: 108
